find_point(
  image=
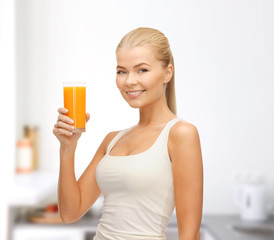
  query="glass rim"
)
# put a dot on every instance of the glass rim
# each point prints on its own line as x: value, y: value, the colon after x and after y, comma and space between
x: 74, y: 83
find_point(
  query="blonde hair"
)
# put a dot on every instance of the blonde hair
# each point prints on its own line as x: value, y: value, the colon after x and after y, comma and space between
x: 153, y: 37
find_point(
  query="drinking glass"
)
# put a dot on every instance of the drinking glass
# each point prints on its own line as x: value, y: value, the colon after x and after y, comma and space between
x: 75, y: 103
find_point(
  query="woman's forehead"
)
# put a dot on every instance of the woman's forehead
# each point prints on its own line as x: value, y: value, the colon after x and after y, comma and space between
x: 135, y: 55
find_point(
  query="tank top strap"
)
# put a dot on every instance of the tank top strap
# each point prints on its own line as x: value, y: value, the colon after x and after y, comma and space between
x: 116, y: 138
x: 163, y: 137
x: 165, y: 132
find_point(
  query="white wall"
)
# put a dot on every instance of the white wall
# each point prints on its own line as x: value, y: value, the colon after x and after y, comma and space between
x: 7, y: 106
x: 223, y: 54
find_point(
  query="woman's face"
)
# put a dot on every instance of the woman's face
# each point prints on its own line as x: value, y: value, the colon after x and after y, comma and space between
x: 141, y: 77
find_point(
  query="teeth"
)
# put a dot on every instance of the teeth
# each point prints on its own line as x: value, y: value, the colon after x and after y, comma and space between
x: 134, y: 93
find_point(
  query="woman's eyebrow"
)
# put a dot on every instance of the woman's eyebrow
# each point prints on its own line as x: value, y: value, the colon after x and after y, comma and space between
x: 138, y: 65
x: 120, y: 67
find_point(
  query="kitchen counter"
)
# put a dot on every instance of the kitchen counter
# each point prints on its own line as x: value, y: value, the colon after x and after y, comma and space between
x: 30, y: 190
x: 221, y: 227
x: 86, y: 227
x: 88, y: 222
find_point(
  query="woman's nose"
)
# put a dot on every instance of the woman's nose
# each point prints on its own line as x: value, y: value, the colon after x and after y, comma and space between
x: 131, y: 79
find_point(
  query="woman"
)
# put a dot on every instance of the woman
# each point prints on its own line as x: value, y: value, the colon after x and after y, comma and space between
x: 145, y: 170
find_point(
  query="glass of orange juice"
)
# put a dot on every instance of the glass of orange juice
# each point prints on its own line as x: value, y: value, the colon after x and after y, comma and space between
x: 75, y: 103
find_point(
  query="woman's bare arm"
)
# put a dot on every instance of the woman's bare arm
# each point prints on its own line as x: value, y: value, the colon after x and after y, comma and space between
x: 187, y: 167
x: 76, y: 197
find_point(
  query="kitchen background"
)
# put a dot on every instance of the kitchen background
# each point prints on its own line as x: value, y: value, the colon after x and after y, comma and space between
x: 223, y: 53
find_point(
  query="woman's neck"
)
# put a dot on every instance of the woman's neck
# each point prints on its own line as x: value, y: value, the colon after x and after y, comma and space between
x: 155, y: 114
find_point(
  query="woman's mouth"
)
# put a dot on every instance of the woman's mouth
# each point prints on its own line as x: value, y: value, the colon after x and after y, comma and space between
x: 133, y: 94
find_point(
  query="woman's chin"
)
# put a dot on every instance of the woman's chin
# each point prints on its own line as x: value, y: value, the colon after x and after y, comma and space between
x: 134, y: 105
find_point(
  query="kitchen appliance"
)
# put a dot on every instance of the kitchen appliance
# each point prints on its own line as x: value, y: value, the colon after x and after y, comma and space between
x: 252, y: 199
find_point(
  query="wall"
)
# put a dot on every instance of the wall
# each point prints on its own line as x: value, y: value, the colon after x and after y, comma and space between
x: 223, y: 54
x: 7, y: 105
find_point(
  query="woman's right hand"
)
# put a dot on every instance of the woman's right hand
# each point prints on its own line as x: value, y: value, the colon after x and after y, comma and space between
x: 63, y: 129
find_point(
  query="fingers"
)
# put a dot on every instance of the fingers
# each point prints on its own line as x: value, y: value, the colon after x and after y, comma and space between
x: 63, y: 128
x: 58, y: 131
x: 87, y: 117
x: 64, y: 118
x: 63, y: 125
x: 62, y: 110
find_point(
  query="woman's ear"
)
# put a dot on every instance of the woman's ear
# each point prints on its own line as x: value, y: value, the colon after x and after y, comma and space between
x: 169, y: 72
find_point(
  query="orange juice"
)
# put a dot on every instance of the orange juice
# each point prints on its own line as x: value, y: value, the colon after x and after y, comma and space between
x: 75, y: 103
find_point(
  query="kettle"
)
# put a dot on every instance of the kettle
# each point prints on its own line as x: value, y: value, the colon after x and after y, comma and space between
x: 252, y: 200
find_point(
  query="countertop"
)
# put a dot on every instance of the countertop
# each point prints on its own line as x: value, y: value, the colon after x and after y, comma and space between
x: 88, y: 222
x: 31, y: 189
x: 221, y: 227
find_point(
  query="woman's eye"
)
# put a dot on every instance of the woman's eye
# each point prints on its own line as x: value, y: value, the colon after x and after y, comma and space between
x: 143, y: 70
x: 121, y: 72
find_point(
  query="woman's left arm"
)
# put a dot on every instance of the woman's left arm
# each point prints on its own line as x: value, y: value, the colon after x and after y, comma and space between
x: 187, y: 168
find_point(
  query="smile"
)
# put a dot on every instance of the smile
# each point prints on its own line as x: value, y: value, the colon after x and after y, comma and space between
x: 135, y: 93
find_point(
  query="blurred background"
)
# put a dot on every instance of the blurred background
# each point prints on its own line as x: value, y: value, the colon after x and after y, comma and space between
x: 223, y: 52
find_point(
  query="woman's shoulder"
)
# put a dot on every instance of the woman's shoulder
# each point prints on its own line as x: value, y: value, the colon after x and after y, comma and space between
x: 183, y: 139
x: 182, y: 130
x: 111, y: 135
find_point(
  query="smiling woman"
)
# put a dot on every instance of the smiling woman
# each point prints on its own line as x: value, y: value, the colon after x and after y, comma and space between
x: 143, y: 171
x: 139, y: 69
x: 146, y: 50
x: 139, y: 73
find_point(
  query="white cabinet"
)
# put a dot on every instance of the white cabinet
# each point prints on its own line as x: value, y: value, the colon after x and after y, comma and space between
x: 32, y: 190
x: 84, y: 229
x: 47, y: 233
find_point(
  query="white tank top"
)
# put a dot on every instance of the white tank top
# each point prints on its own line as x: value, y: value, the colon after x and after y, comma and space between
x: 138, y: 191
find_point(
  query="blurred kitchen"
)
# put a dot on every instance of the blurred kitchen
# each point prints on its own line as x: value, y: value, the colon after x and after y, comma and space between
x: 223, y: 53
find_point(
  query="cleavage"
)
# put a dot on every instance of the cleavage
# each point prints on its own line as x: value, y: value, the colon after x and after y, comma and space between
x: 136, y: 141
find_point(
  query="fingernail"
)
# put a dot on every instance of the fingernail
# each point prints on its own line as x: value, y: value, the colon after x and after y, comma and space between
x: 66, y: 110
x: 71, y: 121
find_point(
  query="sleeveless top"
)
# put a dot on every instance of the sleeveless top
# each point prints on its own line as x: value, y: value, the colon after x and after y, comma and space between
x: 138, y: 191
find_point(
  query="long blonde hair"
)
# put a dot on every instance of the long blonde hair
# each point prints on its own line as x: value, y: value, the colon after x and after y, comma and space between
x: 153, y: 37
